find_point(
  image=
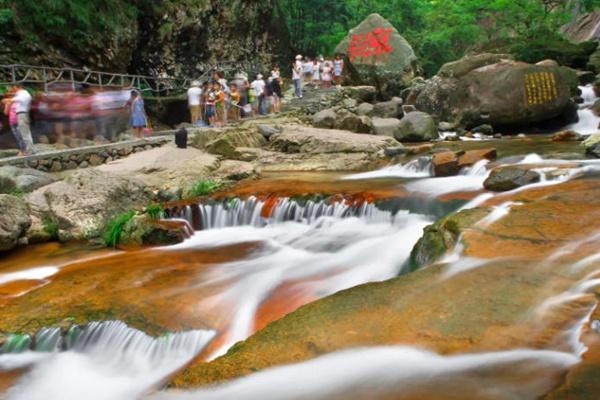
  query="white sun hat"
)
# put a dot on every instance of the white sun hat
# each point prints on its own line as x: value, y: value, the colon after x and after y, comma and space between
x: 298, y: 57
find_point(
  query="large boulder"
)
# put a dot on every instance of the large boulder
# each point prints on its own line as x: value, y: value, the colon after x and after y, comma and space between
x: 509, y: 178
x: 14, y: 221
x: 376, y: 54
x: 347, y: 121
x: 23, y: 179
x: 324, y: 119
x: 497, y: 91
x: 385, y: 126
x: 583, y: 28
x: 84, y: 201
x: 387, y: 109
x: 449, y: 163
x: 417, y: 127
x: 141, y: 230
x: 302, y: 139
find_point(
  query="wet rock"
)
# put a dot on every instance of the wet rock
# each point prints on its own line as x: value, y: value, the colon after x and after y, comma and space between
x: 395, y: 151
x: 566, y: 136
x: 585, y: 77
x: 387, y: 109
x: 471, y: 157
x: 84, y: 201
x: 445, y: 164
x: 596, y: 108
x: 390, y: 71
x: 446, y: 127
x: 324, y: 119
x: 442, y: 236
x: 385, y: 126
x: 508, y: 178
x: 450, y: 163
x: 484, y: 129
x: 417, y: 127
x: 365, y: 109
x: 591, y: 140
x: 420, y: 149
x: 142, y: 230
x: 593, y: 150
x: 14, y: 221
x: 301, y: 139
x: 491, y: 89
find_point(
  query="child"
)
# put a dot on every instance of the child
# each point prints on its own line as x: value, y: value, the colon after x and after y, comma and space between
x: 326, y: 75
x: 316, y: 77
x: 258, y: 88
x: 219, y: 104
x: 211, y: 99
x: 234, y: 99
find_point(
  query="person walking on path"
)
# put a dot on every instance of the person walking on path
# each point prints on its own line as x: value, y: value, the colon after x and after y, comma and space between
x: 22, y: 99
x: 10, y: 109
x: 137, y: 114
x: 297, y: 76
x: 193, y: 94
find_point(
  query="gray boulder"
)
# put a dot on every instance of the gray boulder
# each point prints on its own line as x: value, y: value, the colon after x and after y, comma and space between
x: 267, y: 130
x: 593, y: 150
x: 365, y: 109
x: 23, y: 179
x: 14, y: 221
x: 489, y: 89
x: 417, y: 127
x: 84, y: 201
x: 385, y: 126
x: 387, y: 109
x: 509, y: 178
x: 351, y: 122
x: 324, y: 119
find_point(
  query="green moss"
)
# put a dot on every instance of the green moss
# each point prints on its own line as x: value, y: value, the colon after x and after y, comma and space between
x: 154, y: 211
x: 50, y: 227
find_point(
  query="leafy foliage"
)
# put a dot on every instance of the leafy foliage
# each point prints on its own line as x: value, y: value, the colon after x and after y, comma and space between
x: 114, y: 228
x: 203, y: 187
x: 50, y: 226
x: 154, y: 211
x: 441, y: 30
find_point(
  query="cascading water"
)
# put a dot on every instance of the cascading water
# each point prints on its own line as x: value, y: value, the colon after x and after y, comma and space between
x: 418, y: 168
x: 321, y: 247
x: 101, y: 360
x: 588, y: 121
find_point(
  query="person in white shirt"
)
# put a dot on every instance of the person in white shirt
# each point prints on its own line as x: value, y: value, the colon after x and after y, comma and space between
x: 297, y: 76
x: 193, y: 94
x: 23, y: 100
x: 307, y: 70
x: 258, y: 87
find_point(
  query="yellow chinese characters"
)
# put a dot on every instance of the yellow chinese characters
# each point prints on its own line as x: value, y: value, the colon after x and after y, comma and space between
x: 540, y: 87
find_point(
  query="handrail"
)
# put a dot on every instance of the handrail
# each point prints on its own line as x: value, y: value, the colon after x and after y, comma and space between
x: 24, y: 73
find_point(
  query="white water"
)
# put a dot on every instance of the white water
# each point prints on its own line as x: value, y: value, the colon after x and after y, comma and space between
x: 417, y: 168
x: 106, y: 361
x: 470, y: 179
x: 328, y: 247
x: 588, y: 121
x: 399, y: 371
x: 38, y: 273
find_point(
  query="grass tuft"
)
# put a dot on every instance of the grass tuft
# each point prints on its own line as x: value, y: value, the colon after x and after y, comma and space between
x: 203, y: 187
x: 114, y: 228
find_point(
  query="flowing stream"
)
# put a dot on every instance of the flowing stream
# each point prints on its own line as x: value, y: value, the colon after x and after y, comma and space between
x: 279, y: 253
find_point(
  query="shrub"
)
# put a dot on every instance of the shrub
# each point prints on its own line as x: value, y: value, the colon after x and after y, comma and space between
x: 50, y: 226
x: 114, y: 228
x: 154, y: 211
x: 203, y: 187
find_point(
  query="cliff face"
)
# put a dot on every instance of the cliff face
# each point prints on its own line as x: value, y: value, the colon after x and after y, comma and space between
x: 150, y: 37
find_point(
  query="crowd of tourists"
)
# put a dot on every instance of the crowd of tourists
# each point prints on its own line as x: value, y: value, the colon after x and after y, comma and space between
x: 217, y: 102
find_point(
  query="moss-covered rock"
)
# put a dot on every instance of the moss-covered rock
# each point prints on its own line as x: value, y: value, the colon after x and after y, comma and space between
x: 443, y: 236
x: 143, y: 230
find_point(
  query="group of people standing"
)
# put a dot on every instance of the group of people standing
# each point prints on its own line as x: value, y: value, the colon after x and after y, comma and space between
x: 17, y: 106
x: 216, y: 102
x: 320, y: 72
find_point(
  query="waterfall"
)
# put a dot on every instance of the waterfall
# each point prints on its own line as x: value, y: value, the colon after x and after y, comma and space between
x: 317, y: 246
x: 100, y: 361
x: 588, y: 121
x: 259, y: 213
x: 417, y: 168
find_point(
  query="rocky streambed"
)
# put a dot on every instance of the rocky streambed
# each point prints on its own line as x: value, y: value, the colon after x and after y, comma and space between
x: 493, y: 289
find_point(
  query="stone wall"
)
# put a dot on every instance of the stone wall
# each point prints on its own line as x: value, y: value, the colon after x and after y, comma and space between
x: 84, y: 157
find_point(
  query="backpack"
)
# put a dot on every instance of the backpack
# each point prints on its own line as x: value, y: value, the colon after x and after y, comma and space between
x: 181, y: 137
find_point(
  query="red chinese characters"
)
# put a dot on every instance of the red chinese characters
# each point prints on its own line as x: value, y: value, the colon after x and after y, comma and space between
x: 372, y: 43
